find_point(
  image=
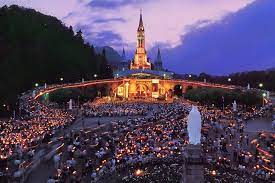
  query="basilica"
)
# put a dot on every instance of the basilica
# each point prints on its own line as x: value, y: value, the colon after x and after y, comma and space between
x: 140, y: 78
x: 140, y: 66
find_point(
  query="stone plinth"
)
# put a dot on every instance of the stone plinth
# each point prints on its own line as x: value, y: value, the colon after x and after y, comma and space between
x: 193, y: 165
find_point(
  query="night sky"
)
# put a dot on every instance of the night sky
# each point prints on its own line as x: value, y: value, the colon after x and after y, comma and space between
x: 212, y: 36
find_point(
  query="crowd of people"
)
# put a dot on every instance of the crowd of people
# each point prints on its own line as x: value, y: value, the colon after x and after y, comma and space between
x: 147, y: 148
x: 111, y: 110
x: 21, y: 139
x: 136, y: 140
x: 227, y: 145
x: 148, y: 145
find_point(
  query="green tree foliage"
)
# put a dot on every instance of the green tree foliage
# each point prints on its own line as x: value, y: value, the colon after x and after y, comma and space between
x: 35, y: 48
x: 84, y: 94
x: 210, y: 96
x: 63, y: 96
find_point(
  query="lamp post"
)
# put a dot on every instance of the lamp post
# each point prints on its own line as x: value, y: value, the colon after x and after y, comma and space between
x: 34, y: 91
x: 95, y: 75
x: 229, y: 79
x: 261, y: 85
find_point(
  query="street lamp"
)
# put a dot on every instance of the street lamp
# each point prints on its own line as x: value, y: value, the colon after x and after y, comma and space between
x: 261, y: 85
x: 61, y: 79
x: 95, y: 75
x: 190, y: 75
x: 36, y: 84
x: 229, y: 79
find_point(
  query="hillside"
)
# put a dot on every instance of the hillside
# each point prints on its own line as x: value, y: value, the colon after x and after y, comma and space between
x: 35, y: 48
x: 112, y: 55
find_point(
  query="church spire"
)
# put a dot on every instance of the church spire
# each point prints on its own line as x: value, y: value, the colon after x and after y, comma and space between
x: 140, y: 26
x: 158, y: 62
x: 123, y: 56
x: 159, y: 56
x: 140, y: 59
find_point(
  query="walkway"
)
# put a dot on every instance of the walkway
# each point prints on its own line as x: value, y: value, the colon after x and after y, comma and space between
x: 260, y: 124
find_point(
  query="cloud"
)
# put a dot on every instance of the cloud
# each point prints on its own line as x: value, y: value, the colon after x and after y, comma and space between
x: 194, y: 35
x: 109, y: 20
x: 241, y: 41
x: 106, y: 38
x: 57, y: 8
x: 165, y: 21
x: 110, y: 4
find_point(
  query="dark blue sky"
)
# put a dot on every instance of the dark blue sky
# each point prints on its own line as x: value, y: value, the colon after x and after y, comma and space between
x: 241, y: 41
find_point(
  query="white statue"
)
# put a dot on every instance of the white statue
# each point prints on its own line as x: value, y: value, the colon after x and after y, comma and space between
x: 70, y: 104
x: 194, y: 126
x: 234, y: 106
x: 33, y: 93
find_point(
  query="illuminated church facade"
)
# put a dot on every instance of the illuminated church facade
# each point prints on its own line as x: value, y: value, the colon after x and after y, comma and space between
x: 140, y: 59
x: 140, y: 65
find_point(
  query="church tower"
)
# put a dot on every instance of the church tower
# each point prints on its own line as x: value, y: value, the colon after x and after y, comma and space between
x: 158, y: 62
x: 123, y: 56
x: 124, y: 63
x: 140, y: 60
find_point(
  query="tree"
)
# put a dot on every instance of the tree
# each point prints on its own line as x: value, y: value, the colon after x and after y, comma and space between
x: 214, y: 96
x: 35, y: 48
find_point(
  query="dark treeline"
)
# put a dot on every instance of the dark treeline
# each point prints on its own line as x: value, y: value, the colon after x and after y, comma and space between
x: 219, y: 97
x: 35, y: 48
x: 254, y: 78
x: 78, y: 95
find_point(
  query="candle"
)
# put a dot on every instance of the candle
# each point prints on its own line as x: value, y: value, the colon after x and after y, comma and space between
x: 139, y: 172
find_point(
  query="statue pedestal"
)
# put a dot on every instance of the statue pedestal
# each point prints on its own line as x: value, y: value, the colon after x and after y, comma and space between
x: 193, y: 170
